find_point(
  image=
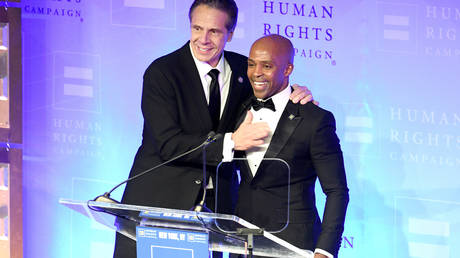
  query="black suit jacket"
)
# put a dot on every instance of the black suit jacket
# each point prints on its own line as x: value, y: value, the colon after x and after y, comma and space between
x: 176, y: 119
x: 305, y: 138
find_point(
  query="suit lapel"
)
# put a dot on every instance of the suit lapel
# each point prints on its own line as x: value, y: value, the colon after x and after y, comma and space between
x: 242, y: 111
x: 235, y: 92
x: 246, y: 173
x: 287, y: 124
x: 285, y: 128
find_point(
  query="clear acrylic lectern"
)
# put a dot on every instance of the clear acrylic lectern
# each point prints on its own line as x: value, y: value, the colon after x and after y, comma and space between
x: 125, y: 218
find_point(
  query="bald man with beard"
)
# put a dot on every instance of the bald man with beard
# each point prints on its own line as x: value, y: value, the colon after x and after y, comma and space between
x: 303, y: 136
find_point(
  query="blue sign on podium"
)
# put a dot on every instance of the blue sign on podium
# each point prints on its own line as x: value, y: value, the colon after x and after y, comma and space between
x: 153, y: 242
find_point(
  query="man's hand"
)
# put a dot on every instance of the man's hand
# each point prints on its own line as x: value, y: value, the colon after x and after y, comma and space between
x: 250, y: 134
x: 302, y: 94
x: 317, y: 255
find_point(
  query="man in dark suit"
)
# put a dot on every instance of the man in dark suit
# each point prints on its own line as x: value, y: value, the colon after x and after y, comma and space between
x: 186, y: 95
x: 303, y: 136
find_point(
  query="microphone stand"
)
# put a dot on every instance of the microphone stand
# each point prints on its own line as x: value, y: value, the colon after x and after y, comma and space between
x: 201, y: 207
x: 106, y: 196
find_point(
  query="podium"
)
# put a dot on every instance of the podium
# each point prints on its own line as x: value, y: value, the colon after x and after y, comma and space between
x: 154, y: 223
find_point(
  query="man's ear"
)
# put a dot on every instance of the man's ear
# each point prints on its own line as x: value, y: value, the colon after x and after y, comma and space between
x: 230, y: 36
x: 288, y: 70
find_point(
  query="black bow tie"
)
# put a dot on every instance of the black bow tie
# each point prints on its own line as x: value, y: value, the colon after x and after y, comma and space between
x: 257, y: 104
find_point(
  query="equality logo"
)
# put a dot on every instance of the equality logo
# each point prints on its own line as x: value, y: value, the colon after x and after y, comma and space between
x: 98, y: 243
x: 360, y: 131
x: 76, y: 82
x: 427, y: 226
x: 158, y: 14
x: 397, y: 28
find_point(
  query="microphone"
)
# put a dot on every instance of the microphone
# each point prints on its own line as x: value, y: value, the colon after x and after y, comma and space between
x: 212, y: 137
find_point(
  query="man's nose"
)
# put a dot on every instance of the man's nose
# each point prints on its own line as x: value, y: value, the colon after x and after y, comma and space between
x: 204, y: 37
x: 258, y: 70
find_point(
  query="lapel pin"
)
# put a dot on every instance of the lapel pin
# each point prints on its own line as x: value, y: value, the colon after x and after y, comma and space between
x: 240, y: 79
x: 291, y: 116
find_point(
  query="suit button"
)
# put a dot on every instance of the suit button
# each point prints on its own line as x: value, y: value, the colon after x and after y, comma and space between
x: 198, y: 181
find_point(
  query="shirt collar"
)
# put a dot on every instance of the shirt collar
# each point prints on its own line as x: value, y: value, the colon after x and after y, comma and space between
x: 204, y: 68
x: 281, y: 98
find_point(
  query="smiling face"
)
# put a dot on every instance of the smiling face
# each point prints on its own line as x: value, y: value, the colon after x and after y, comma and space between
x: 269, y: 66
x: 209, y: 33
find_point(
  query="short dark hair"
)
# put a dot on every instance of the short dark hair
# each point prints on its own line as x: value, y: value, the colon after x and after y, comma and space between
x: 227, y: 6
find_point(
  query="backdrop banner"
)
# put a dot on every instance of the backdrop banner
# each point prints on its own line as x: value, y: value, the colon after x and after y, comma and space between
x: 387, y: 69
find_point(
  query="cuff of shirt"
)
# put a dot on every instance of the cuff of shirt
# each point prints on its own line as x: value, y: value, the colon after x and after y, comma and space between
x: 227, y: 149
x: 321, y: 251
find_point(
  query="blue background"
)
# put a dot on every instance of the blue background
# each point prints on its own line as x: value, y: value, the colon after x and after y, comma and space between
x: 387, y: 69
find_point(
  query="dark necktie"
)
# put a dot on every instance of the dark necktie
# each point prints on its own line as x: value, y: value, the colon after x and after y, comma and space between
x: 214, y: 98
x: 257, y: 104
